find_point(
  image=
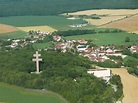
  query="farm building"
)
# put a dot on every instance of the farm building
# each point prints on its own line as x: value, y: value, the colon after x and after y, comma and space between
x: 101, y: 73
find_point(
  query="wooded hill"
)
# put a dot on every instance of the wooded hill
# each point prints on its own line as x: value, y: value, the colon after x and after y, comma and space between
x: 63, y: 73
x: 54, y: 7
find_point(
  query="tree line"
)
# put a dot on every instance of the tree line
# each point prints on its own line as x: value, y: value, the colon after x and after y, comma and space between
x: 52, y: 7
x: 63, y: 73
x: 82, y: 32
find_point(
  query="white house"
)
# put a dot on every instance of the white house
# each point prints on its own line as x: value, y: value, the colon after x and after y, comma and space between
x: 81, y: 48
x: 101, y: 73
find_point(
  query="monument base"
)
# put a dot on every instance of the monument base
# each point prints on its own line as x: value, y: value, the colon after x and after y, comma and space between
x: 36, y: 72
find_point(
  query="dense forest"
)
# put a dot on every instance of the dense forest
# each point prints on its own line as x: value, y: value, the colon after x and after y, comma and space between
x: 54, y: 7
x: 63, y: 73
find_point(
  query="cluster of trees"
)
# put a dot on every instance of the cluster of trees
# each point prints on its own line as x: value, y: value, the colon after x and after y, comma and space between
x: 131, y: 62
x: 74, y: 32
x: 52, y: 7
x: 109, y: 64
x: 82, y: 32
x: 116, y: 80
x: 111, y: 31
x: 63, y: 73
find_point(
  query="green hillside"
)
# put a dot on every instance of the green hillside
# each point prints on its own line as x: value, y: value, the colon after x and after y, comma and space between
x: 53, y: 7
x: 13, y: 94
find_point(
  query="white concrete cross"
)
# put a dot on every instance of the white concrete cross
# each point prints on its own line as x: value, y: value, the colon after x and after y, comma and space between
x: 37, y: 59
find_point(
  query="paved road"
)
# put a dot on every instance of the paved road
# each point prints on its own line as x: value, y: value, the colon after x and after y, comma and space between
x: 130, y: 85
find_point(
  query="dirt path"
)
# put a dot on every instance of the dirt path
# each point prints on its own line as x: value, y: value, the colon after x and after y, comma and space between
x: 130, y: 85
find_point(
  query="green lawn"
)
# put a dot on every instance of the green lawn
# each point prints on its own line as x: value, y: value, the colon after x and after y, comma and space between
x: 17, y: 34
x: 12, y: 94
x: 57, y: 22
x: 108, y: 38
x: 42, y: 45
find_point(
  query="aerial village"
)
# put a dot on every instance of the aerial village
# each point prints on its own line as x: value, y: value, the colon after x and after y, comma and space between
x: 80, y: 46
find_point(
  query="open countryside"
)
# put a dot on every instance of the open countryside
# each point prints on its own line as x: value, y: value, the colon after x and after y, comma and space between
x: 130, y: 85
x: 121, y: 18
x: 55, y: 22
x: 49, y: 47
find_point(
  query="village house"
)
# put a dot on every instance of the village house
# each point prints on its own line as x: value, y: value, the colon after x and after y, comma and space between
x: 133, y: 49
x: 82, y: 41
x: 64, y: 45
x: 57, y: 38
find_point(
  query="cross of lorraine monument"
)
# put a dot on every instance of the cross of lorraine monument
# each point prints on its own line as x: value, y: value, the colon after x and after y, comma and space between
x: 37, y: 59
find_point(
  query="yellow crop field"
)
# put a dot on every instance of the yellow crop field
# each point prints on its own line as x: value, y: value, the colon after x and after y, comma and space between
x: 104, y: 20
x: 128, y: 24
x: 106, y: 11
x: 7, y: 29
x: 111, y: 16
x: 41, y: 28
x: 130, y: 85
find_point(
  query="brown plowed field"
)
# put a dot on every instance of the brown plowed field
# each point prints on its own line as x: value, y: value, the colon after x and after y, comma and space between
x: 130, y: 85
x: 127, y: 24
x: 7, y: 28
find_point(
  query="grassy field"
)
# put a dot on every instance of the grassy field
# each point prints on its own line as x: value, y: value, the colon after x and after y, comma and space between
x: 108, y: 38
x: 41, y: 28
x: 56, y: 22
x: 12, y: 35
x: 42, y: 45
x: 7, y: 28
x: 12, y: 94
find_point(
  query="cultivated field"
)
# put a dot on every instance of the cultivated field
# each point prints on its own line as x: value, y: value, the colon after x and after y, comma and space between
x: 12, y: 94
x: 41, y: 28
x: 127, y: 24
x: 119, y: 18
x: 130, y: 85
x: 7, y: 28
x: 104, y: 20
x: 106, y: 12
x: 13, y: 35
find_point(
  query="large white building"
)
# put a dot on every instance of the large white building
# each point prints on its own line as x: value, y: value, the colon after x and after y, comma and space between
x: 101, y: 73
